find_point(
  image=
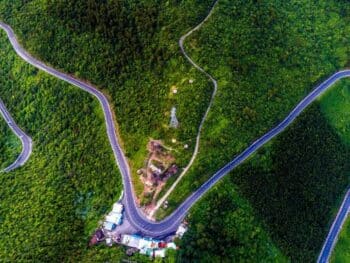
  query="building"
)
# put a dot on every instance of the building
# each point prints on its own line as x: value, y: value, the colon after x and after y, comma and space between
x: 139, y: 242
x: 173, y: 169
x: 147, y: 246
x: 171, y: 245
x: 159, y: 253
x: 155, y: 169
x: 109, y: 241
x: 118, y: 208
x: 181, y: 230
x: 114, y: 218
x: 109, y: 226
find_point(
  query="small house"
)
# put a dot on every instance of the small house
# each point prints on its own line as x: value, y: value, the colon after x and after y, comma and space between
x: 118, y: 208
x: 114, y: 218
x: 109, y: 226
x: 181, y: 230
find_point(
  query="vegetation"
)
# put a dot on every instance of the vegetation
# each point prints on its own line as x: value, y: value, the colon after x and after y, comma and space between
x: 341, y: 253
x: 50, y: 206
x: 129, y: 49
x: 335, y: 105
x: 293, y: 185
x: 223, y: 228
x: 10, y: 145
x: 266, y: 56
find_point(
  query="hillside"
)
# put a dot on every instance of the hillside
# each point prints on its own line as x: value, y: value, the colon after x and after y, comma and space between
x: 294, y: 185
x: 266, y: 56
x: 10, y: 145
x: 264, y: 67
x: 341, y: 251
x: 50, y: 206
x: 129, y: 50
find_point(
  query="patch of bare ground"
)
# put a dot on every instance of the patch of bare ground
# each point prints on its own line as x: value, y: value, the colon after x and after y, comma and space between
x: 159, y: 166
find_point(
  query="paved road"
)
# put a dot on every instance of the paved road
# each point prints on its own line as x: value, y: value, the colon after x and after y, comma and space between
x: 333, y: 234
x: 25, y: 139
x: 133, y: 213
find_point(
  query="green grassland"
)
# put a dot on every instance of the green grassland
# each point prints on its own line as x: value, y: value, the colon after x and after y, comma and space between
x: 10, y: 145
x: 341, y: 253
x: 50, y: 206
x: 129, y: 49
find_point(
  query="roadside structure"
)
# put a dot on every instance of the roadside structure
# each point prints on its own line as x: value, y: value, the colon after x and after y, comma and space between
x: 181, y: 230
x: 147, y: 246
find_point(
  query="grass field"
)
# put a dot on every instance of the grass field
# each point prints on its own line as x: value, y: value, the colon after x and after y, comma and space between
x: 341, y: 253
x: 9, y: 148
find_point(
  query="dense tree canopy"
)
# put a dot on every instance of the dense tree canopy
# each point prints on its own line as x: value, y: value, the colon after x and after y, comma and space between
x: 10, y: 147
x: 266, y: 56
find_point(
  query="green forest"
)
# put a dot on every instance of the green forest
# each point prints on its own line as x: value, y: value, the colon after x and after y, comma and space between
x: 266, y: 56
x: 10, y: 145
x: 50, y: 206
x: 294, y: 185
x: 129, y: 50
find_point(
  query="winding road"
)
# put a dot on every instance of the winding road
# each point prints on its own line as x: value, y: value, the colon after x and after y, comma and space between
x: 215, y: 84
x: 333, y: 234
x: 170, y: 224
x: 24, y: 138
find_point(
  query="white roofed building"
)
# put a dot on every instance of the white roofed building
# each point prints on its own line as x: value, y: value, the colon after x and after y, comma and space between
x: 118, y: 208
x: 181, y: 230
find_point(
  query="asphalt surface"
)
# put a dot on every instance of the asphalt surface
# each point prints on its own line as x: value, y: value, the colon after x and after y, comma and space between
x: 24, y: 138
x: 333, y: 234
x: 169, y: 225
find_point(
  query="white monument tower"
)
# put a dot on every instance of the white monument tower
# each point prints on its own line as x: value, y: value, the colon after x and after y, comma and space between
x: 173, y: 121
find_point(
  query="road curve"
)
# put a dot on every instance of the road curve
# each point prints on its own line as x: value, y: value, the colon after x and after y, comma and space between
x: 24, y: 138
x: 333, y: 234
x: 132, y: 212
x: 215, y: 85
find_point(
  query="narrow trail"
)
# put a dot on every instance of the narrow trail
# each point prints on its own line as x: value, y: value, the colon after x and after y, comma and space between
x: 215, y: 85
x: 26, y: 141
